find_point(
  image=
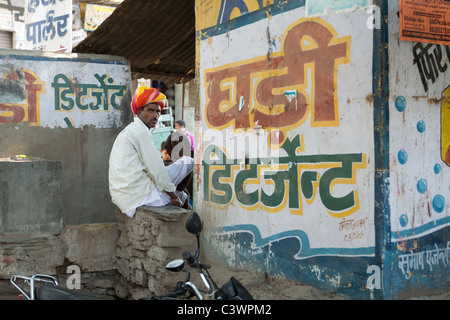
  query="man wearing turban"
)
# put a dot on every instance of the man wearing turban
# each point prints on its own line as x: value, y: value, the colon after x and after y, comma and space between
x: 137, y: 175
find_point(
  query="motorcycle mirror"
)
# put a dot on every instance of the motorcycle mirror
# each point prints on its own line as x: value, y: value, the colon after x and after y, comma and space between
x: 194, y: 223
x: 176, y: 265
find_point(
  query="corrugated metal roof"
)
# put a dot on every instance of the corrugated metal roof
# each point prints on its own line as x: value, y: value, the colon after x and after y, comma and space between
x: 156, y: 36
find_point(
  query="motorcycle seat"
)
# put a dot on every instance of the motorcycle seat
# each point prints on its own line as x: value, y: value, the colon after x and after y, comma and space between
x: 49, y: 292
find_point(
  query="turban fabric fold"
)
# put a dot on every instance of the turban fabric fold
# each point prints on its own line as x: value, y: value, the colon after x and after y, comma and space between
x: 145, y: 95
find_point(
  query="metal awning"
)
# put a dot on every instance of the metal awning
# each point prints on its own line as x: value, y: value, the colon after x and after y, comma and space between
x: 156, y: 36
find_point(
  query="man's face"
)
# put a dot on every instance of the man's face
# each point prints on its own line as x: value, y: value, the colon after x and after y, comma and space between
x: 149, y: 114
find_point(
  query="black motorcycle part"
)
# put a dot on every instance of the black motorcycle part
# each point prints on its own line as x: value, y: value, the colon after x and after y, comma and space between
x: 48, y: 292
x: 234, y: 290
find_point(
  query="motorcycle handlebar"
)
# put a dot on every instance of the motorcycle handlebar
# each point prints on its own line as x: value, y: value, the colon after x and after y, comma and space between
x: 189, y: 258
x: 192, y: 261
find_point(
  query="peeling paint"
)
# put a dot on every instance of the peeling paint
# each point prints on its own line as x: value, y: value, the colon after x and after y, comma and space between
x: 12, y: 87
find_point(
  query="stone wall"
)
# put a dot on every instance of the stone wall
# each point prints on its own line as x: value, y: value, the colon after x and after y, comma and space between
x: 123, y: 260
x: 146, y: 243
x: 91, y: 247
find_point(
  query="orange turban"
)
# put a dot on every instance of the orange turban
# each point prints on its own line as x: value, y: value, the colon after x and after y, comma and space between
x: 145, y: 95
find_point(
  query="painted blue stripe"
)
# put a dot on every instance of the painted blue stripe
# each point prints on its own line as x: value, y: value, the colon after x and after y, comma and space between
x: 305, y: 251
x: 248, y: 18
x: 424, y: 229
x: 61, y: 59
x: 380, y: 92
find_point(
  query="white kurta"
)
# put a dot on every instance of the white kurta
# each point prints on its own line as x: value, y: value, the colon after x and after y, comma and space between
x: 136, y: 168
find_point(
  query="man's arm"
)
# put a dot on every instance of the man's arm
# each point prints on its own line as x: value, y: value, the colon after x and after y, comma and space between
x: 156, y: 169
x: 153, y: 163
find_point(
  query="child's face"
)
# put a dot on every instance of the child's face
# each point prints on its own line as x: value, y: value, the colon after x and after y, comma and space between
x: 165, y: 155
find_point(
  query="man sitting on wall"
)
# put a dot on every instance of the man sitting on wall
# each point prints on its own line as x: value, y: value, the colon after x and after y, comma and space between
x: 137, y: 175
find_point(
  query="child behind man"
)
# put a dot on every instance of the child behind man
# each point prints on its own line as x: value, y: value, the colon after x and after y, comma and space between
x: 165, y: 155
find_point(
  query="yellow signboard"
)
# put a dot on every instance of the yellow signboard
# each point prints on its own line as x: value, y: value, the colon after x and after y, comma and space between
x: 95, y: 15
x: 210, y: 13
x: 445, y: 126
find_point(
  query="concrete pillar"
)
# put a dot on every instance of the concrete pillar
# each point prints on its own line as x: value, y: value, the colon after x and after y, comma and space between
x: 30, y: 196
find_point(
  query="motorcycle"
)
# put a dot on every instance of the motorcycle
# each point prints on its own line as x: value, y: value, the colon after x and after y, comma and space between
x: 46, y: 287
x: 231, y: 290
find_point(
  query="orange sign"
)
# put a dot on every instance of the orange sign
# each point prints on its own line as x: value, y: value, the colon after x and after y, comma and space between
x: 425, y: 21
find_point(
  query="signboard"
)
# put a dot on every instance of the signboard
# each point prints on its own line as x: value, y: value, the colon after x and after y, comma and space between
x: 6, y: 22
x: 48, y: 25
x: 63, y: 90
x: 425, y: 21
x: 95, y: 15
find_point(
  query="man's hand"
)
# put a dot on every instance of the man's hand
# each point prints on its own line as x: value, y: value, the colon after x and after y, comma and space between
x: 174, y: 199
x: 176, y: 202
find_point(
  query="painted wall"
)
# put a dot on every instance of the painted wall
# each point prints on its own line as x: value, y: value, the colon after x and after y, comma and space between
x: 419, y: 154
x: 292, y: 176
x: 67, y: 107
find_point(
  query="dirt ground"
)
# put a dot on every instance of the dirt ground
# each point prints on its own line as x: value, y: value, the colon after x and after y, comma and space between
x: 260, y: 285
x: 264, y: 287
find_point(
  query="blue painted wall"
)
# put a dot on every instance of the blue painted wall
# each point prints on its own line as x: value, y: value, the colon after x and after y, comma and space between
x: 391, y: 243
